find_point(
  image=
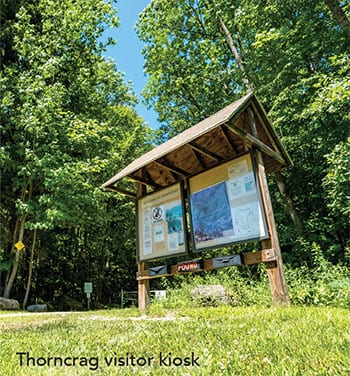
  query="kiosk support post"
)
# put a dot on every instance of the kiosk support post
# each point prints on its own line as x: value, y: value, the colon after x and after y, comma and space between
x: 275, y: 270
x: 143, y: 286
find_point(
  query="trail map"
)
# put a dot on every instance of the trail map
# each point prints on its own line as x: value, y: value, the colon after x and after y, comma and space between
x: 211, y: 213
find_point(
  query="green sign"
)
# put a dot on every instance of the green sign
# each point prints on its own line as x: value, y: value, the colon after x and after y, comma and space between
x: 88, y: 287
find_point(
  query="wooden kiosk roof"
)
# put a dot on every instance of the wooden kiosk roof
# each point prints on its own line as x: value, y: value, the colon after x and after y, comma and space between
x: 216, y: 139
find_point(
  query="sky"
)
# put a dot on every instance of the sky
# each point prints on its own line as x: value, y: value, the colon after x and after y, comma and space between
x: 127, y: 52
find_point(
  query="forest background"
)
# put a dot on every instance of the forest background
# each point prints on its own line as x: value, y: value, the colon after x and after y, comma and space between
x: 68, y: 122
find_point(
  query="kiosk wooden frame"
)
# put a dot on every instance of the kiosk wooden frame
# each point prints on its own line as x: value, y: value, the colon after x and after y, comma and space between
x: 239, y: 128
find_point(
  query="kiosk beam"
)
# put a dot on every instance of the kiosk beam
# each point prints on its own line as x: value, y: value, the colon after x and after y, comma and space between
x: 275, y: 270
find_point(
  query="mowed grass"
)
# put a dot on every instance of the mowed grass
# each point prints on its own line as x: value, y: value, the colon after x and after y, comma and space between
x: 202, y: 341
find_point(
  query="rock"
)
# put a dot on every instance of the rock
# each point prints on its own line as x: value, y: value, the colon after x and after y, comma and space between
x: 9, y: 304
x: 37, y: 308
x: 210, y: 295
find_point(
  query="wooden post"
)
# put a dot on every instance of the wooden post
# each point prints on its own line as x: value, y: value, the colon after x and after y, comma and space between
x: 275, y: 270
x: 143, y: 286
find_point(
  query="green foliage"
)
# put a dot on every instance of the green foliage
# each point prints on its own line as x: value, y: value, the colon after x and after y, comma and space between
x: 337, y: 187
x: 67, y: 120
x: 320, y: 283
x: 242, y: 289
x: 190, y: 72
x: 317, y: 282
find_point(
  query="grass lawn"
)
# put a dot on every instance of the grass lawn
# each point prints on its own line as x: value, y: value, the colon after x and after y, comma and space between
x: 197, y: 341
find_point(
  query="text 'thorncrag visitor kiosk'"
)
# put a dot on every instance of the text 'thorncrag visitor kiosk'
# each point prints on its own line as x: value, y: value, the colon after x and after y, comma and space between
x: 215, y: 172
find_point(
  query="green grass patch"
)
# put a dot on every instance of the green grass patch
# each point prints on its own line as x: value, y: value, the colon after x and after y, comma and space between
x: 221, y: 340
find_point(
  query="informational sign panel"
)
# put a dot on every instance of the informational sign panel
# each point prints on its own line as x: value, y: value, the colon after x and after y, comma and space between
x: 225, y: 205
x: 88, y: 287
x: 161, y: 224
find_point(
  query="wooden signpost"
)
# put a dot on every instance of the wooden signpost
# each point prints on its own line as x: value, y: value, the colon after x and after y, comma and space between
x: 218, y: 167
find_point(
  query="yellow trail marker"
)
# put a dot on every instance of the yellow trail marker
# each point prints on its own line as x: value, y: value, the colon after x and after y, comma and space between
x: 19, y: 246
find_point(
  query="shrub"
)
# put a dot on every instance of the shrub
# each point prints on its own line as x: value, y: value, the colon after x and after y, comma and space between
x: 317, y: 283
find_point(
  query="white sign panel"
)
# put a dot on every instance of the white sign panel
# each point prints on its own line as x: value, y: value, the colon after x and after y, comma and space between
x: 161, y: 224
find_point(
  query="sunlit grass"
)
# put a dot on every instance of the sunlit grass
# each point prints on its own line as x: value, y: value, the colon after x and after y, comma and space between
x: 222, y: 340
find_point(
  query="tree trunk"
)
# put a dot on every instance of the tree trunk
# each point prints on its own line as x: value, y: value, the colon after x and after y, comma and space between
x: 236, y: 55
x: 12, y: 275
x: 279, y: 178
x: 288, y: 202
x: 18, y: 234
x: 30, y: 270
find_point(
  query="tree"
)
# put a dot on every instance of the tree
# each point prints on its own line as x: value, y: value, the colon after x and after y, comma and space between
x: 63, y: 110
x: 295, y: 55
x: 190, y: 71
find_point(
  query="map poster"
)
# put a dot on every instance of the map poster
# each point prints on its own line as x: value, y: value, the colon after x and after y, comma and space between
x: 161, y: 224
x: 225, y: 205
x: 211, y: 213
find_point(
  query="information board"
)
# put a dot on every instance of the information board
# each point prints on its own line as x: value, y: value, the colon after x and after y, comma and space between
x: 161, y: 224
x: 225, y: 205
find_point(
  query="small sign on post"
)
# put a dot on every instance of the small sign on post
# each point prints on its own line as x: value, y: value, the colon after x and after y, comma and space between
x: 88, y: 291
x: 19, y: 246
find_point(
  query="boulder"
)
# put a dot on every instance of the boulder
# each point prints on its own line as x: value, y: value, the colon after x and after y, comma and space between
x: 37, y: 308
x: 9, y: 304
x: 210, y: 295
